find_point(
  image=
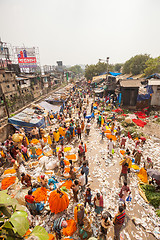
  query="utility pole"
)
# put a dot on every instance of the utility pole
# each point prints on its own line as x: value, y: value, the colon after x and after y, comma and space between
x: 107, y: 61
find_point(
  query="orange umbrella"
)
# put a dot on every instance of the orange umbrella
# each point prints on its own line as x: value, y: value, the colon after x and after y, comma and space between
x: 58, y: 201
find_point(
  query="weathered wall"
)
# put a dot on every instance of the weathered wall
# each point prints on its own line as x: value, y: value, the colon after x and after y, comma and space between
x: 5, y: 131
x: 155, y: 99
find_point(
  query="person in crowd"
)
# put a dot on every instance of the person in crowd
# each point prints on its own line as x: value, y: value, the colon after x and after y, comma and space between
x: 118, y: 133
x: 88, y: 127
x: 72, y: 173
x: 82, y: 181
x: 85, y: 169
x: 103, y: 130
x: 53, y: 146
x: 98, y: 203
x: 75, y: 189
x: 148, y: 164
x: 62, y: 165
x: 79, y: 132
x: 88, y: 197
x: 118, y: 222
x: 30, y: 201
x: 26, y: 180
x: 33, y: 151
x: 105, y: 225
x: 44, y: 182
x: 138, y: 156
x: 68, y: 135
x: 110, y: 146
x: 124, y: 171
x: 58, y: 225
x: 80, y: 215
x: 24, y: 152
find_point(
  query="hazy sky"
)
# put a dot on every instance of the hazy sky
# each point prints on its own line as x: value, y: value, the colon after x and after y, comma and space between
x: 82, y: 31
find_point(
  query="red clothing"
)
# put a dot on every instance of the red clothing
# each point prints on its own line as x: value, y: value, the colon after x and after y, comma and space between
x: 120, y: 217
x: 78, y: 130
x: 29, y: 198
x: 124, y: 169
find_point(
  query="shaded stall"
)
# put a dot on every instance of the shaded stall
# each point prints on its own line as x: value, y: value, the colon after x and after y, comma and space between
x: 28, y: 119
x: 129, y: 89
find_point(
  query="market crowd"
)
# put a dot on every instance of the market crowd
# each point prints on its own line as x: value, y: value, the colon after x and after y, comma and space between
x: 69, y: 128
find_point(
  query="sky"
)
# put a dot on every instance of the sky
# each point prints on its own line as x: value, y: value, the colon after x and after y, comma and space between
x: 82, y: 31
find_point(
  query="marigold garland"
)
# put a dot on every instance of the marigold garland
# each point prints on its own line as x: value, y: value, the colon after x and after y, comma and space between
x: 8, y: 181
x: 10, y: 171
x: 71, y: 228
x: 40, y: 194
x: 35, y: 141
x: 58, y: 202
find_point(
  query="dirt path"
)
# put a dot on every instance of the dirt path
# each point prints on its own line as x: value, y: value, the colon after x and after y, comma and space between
x: 104, y: 174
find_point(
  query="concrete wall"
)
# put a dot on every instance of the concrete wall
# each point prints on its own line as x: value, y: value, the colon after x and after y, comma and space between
x: 155, y: 99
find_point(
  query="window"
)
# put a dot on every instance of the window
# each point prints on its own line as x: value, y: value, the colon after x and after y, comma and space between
x: 13, y: 85
x: 3, y: 75
x: 25, y: 90
x: 158, y: 88
x: 22, y: 91
x: 10, y: 96
x: 8, y: 86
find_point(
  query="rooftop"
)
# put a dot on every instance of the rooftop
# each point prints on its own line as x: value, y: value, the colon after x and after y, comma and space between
x: 130, y: 83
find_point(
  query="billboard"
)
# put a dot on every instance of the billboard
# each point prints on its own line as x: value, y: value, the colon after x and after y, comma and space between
x: 26, y: 57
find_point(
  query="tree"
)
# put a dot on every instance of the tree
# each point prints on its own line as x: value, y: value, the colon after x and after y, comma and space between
x: 136, y: 64
x: 152, y: 66
x: 14, y: 222
x: 117, y: 67
x: 97, y: 69
x: 76, y: 69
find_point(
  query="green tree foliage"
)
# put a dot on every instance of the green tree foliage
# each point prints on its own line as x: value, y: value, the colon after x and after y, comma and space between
x: 117, y: 67
x: 136, y: 64
x: 97, y: 69
x: 76, y: 69
x: 152, y: 66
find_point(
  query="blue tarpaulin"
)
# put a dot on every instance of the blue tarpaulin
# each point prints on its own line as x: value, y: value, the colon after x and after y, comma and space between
x: 142, y: 97
x: 114, y: 74
x: 155, y: 75
x: 27, y: 119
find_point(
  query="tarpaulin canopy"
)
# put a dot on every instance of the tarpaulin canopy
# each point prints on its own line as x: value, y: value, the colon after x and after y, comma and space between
x: 155, y: 75
x: 27, y: 119
x: 47, y: 106
x: 142, y: 97
x: 115, y: 74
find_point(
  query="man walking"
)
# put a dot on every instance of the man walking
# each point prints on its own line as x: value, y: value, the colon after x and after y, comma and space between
x: 118, y: 222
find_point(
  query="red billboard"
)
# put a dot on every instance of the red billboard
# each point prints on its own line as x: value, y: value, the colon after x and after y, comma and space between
x: 26, y: 57
x: 27, y: 60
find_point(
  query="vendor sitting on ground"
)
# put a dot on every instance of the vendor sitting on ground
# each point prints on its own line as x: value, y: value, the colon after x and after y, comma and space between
x: 30, y: 201
x: 26, y: 180
x: 44, y: 182
x: 105, y: 224
x: 72, y: 173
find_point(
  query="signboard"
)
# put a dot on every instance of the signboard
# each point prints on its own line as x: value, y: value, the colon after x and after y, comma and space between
x: 26, y: 57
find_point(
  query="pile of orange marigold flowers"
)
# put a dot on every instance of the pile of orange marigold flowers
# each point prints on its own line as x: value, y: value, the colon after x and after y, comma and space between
x: 40, y: 194
x: 10, y: 171
x: 8, y: 181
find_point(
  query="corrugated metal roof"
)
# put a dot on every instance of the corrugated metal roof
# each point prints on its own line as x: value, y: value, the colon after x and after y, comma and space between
x: 154, y: 82
x: 130, y: 83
